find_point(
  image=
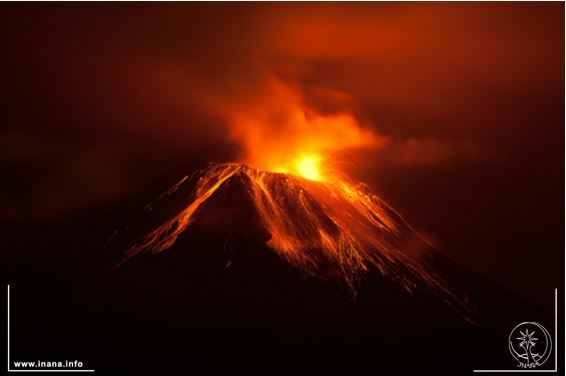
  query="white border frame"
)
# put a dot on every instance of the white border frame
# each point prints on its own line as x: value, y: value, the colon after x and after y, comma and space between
x: 555, y: 348
x: 556, y: 339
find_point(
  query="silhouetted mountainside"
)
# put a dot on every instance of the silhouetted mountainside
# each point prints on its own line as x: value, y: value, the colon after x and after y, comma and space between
x: 242, y: 305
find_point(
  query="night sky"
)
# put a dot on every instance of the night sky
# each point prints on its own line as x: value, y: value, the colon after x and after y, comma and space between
x: 97, y: 101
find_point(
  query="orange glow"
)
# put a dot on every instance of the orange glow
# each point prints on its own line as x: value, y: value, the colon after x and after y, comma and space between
x: 307, y: 166
x: 279, y: 132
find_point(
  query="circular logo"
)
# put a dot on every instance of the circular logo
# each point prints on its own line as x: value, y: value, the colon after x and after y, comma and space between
x: 530, y: 344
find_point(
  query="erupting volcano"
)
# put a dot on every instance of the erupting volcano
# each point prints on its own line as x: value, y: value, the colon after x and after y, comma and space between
x: 309, y: 214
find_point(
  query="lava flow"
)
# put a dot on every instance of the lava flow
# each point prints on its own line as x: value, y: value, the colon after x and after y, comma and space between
x: 330, y: 229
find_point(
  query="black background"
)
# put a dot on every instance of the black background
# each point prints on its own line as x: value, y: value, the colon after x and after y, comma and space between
x: 99, y: 102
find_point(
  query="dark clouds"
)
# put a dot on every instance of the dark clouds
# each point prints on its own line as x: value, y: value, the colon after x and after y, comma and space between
x: 97, y: 100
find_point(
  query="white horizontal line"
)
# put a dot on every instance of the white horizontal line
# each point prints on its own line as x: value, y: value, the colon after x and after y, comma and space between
x: 51, y: 370
x: 514, y: 370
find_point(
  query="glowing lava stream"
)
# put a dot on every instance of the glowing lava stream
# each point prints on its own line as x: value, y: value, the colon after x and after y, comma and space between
x: 333, y: 230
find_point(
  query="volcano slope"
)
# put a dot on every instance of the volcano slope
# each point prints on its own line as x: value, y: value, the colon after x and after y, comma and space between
x: 331, y: 230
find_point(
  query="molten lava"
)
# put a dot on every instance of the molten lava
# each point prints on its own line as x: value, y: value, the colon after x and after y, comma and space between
x: 307, y: 166
x: 329, y: 229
